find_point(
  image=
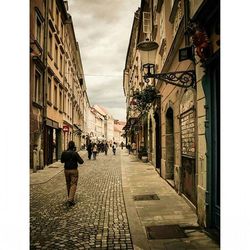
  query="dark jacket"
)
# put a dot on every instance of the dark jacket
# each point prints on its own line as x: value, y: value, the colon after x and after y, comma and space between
x: 70, y: 159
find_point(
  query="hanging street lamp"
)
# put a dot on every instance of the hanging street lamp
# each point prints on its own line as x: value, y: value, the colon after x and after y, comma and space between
x: 148, y: 49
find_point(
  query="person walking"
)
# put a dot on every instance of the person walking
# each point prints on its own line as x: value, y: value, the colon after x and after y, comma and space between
x: 89, y: 149
x: 95, y: 150
x: 134, y: 148
x: 129, y: 148
x: 114, y: 148
x: 71, y: 158
x: 106, y: 147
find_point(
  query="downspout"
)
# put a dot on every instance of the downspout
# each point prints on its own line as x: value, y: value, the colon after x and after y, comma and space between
x: 45, y: 78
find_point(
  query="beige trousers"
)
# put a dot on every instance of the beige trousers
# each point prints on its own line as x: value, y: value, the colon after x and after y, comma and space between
x: 71, y: 176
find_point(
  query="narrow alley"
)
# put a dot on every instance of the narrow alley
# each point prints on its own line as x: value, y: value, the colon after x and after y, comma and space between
x: 111, y: 211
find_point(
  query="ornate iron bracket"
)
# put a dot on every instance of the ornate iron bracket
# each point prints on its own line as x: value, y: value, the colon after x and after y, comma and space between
x: 183, y: 79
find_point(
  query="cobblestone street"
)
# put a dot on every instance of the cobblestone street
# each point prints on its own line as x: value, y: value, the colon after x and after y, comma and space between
x: 98, y: 220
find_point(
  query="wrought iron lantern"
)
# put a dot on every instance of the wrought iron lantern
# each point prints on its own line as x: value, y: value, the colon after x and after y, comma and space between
x: 148, y: 51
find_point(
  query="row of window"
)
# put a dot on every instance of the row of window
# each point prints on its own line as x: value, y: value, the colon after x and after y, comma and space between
x: 56, y: 16
x: 57, y: 55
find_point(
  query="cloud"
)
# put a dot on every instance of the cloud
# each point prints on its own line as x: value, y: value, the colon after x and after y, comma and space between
x: 103, y: 28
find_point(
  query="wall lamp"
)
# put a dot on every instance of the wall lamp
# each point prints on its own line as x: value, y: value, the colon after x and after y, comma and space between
x: 148, y: 49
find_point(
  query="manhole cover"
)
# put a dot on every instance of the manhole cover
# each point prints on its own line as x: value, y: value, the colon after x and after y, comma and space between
x: 146, y: 197
x: 165, y: 232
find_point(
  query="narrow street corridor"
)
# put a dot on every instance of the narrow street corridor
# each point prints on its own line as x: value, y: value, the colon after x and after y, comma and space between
x: 106, y: 214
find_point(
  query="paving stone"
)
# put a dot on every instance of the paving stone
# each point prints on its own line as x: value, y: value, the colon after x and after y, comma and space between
x: 98, y: 220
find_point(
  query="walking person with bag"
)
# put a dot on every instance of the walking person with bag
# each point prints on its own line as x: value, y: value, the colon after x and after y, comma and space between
x: 71, y: 158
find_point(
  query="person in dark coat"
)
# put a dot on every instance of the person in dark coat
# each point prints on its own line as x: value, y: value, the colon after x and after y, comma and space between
x: 106, y: 147
x: 71, y: 158
x: 89, y: 149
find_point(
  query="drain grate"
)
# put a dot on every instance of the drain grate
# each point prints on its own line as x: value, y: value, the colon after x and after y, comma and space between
x: 146, y: 197
x: 165, y: 232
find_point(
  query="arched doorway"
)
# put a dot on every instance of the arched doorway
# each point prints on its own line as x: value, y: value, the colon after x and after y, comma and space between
x: 170, y: 144
x: 157, y: 141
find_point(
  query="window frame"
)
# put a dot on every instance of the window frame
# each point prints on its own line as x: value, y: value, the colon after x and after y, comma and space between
x: 37, y: 92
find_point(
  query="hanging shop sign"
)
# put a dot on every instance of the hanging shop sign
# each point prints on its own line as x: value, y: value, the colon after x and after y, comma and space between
x: 65, y: 129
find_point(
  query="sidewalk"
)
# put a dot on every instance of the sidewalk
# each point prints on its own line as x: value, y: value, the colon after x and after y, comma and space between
x: 46, y: 174
x: 170, y: 209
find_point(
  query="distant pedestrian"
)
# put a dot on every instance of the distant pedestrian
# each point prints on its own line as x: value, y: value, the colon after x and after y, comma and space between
x: 122, y: 144
x: 133, y: 147
x: 114, y: 148
x: 129, y: 148
x: 106, y: 147
x: 89, y: 149
x: 71, y: 158
x: 95, y: 151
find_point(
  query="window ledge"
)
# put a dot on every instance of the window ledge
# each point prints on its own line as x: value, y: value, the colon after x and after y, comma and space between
x: 37, y: 105
x: 55, y: 65
x: 49, y: 103
x: 56, y: 108
x: 50, y: 56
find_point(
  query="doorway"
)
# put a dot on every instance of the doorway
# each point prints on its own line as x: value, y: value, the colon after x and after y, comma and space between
x: 157, y: 141
x: 170, y: 144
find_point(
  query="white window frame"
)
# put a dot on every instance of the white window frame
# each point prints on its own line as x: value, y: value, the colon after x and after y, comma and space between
x: 147, y: 25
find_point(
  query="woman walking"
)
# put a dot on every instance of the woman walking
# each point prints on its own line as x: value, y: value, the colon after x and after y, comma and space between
x: 71, y: 158
x: 95, y: 150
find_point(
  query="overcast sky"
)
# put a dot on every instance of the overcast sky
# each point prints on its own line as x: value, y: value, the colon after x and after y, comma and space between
x: 102, y: 29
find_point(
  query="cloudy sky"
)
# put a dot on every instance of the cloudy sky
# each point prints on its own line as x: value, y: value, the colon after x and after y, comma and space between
x: 102, y: 28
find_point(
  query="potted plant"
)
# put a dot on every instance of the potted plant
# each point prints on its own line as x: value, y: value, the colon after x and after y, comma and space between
x: 143, y: 154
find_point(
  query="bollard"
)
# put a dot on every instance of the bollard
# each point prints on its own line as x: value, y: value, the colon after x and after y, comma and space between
x: 41, y: 162
x: 34, y: 161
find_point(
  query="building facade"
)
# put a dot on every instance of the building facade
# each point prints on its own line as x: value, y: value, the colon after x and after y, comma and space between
x: 37, y: 74
x: 179, y: 128
x: 57, y: 85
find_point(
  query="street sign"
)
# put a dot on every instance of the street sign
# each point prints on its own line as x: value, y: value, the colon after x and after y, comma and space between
x: 65, y: 128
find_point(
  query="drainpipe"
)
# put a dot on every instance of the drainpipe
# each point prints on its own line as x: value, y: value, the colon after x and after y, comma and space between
x: 45, y: 78
x: 186, y: 21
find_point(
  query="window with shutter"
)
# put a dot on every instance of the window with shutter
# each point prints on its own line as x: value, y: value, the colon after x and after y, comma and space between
x: 146, y: 23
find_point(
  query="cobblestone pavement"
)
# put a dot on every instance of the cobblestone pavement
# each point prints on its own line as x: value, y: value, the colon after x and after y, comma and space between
x: 97, y: 221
